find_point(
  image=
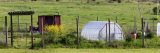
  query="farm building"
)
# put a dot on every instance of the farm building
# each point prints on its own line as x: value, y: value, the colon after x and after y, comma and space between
x: 45, y: 20
x: 96, y: 30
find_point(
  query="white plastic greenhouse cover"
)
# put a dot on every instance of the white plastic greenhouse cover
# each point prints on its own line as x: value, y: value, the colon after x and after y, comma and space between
x: 158, y: 29
x: 96, y: 30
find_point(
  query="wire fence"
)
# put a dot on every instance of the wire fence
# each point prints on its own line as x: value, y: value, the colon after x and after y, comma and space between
x: 105, y: 33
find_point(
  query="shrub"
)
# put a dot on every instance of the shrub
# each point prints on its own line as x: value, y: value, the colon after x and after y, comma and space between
x: 92, y: 44
x: 155, y: 10
x: 129, y: 38
x: 55, y: 29
x: 133, y: 44
x: 154, y: 18
x: 69, y: 40
x: 118, y: 44
x: 54, y: 32
x: 139, y: 35
x: 152, y: 43
x: 150, y: 35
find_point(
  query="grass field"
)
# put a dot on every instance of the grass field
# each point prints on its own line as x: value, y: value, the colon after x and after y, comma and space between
x: 87, y: 12
x: 62, y: 50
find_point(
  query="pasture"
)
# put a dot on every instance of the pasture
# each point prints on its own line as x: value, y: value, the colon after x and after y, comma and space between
x: 87, y: 12
x: 125, y: 12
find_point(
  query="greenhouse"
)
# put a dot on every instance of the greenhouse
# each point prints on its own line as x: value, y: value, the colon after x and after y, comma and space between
x: 96, y: 30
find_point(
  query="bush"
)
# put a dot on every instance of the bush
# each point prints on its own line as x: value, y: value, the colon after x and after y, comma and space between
x: 118, y: 44
x: 153, y: 43
x: 93, y: 44
x: 155, y: 10
x: 133, y: 44
x: 150, y: 35
x: 69, y: 40
x: 129, y: 38
x: 139, y: 35
x: 54, y: 32
x: 154, y: 18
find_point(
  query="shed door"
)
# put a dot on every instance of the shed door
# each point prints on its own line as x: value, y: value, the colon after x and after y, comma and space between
x: 49, y: 20
x: 57, y: 20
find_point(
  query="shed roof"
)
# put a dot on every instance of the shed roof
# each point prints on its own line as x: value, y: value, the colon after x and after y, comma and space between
x: 21, y: 13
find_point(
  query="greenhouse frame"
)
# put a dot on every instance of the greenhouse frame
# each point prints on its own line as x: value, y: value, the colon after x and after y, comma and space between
x: 96, y: 30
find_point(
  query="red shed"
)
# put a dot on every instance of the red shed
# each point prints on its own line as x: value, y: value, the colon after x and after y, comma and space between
x: 44, y: 20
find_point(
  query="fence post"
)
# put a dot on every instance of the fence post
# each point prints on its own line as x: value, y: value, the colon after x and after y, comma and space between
x: 97, y: 18
x: 109, y: 31
x: 106, y: 34
x: 11, y: 23
x: 142, y: 19
x: 77, y: 24
x: 18, y: 24
x: 153, y: 24
x: 116, y: 19
x: 6, y: 31
x: 42, y: 34
x: 32, y: 45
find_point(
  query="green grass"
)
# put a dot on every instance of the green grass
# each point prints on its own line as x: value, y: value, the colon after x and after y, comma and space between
x: 87, y: 12
x: 63, y: 50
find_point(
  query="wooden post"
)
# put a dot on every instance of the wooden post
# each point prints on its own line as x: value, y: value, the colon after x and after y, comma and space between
x: 32, y: 46
x: 18, y: 24
x: 42, y: 34
x: 11, y: 23
x: 97, y: 18
x: 77, y: 24
x: 153, y: 24
x: 116, y: 19
x: 142, y: 32
x: 106, y: 34
x: 109, y: 32
x: 6, y: 32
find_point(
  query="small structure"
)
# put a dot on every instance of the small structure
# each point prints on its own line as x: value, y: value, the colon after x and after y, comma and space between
x: 97, y: 30
x: 15, y: 13
x: 45, y: 20
x: 158, y: 29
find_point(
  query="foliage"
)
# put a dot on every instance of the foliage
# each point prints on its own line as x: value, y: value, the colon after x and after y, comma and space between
x: 150, y: 35
x: 139, y: 35
x: 55, y: 29
x: 69, y: 40
x: 117, y: 44
x: 53, y: 32
x: 154, y: 18
x: 129, y: 38
x: 102, y: 10
x: 156, y: 10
